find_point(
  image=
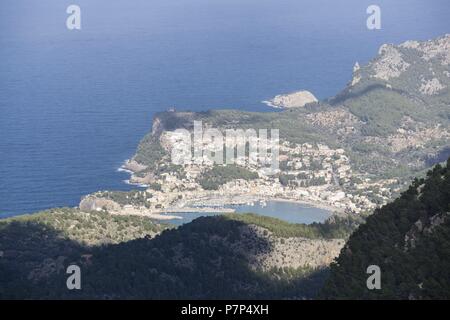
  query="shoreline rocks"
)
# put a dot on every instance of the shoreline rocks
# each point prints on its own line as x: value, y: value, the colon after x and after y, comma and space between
x: 296, y: 99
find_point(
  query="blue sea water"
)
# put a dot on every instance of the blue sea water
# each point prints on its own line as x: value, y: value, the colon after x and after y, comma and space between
x: 291, y: 212
x: 74, y: 104
x: 288, y: 211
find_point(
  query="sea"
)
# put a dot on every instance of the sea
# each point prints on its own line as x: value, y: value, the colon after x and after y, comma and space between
x: 74, y: 104
x: 292, y: 212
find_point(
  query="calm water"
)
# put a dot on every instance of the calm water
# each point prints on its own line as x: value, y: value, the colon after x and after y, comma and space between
x: 74, y: 104
x: 287, y: 211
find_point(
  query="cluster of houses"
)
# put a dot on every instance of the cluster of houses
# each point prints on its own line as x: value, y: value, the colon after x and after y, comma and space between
x: 316, y: 173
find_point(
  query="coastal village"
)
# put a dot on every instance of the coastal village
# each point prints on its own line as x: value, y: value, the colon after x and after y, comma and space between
x: 313, y: 174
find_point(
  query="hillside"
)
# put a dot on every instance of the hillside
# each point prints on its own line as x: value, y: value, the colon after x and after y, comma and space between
x: 409, y: 239
x: 230, y: 256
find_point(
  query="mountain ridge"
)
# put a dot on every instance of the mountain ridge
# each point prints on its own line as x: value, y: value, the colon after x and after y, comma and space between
x: 407, y: 239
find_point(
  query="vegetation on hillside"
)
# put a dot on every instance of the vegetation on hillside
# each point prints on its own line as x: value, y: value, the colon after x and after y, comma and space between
x: 409, y: 239
x: 86, y: 228
x: 334, y: 228
x: 120, y: 257
x: 217, y: 176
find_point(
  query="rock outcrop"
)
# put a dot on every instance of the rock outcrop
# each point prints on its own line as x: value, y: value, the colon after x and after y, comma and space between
x: 292, y: 100
x: 91, y: 203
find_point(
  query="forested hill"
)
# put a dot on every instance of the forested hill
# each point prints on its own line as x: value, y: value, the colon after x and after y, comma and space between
x: 409, y: 239
x: 123, y: 257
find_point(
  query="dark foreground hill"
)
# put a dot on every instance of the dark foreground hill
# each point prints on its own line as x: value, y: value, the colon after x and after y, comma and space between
x: 230, y: 256
x: 408, y: 239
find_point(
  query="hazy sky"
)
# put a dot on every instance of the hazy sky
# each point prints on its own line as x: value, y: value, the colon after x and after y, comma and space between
x: 28, y: 19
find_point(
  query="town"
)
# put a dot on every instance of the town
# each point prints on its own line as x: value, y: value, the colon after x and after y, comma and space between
x: 309, y: 173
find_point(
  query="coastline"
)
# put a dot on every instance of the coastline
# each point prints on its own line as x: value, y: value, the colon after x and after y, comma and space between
x: 215, y: 202
x: 223, y: 206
